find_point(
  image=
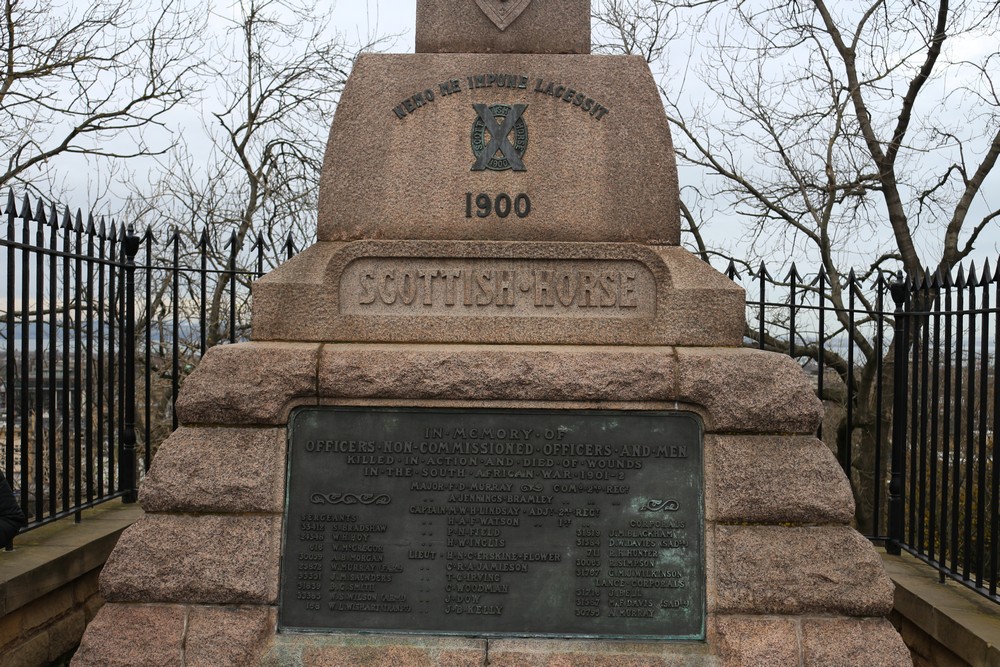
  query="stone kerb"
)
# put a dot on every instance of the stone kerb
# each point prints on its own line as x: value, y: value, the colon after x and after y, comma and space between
x: 786, y: 574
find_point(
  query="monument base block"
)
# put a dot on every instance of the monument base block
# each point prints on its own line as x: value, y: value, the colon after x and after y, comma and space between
x: 787, y: 581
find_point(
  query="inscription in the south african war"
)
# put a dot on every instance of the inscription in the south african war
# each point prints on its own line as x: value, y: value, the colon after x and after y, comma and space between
x: 485, y: 287
x: 495, y: 522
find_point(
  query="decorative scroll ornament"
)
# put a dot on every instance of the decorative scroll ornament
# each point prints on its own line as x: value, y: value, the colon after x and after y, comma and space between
x: 350, y: 499
x: 660, y: 506
x: 503, y: 12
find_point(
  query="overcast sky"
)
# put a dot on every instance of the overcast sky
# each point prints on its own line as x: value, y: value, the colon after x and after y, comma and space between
x: 361, y: 20
x: 358, y: 18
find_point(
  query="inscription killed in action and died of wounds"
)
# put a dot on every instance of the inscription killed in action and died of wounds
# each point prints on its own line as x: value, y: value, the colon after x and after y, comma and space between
x: 494, y: 522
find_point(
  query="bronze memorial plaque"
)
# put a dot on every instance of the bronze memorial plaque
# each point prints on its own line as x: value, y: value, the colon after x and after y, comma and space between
x: 495, y: 522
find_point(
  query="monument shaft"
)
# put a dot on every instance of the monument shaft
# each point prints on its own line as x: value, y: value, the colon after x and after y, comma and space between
x: 496, y: 414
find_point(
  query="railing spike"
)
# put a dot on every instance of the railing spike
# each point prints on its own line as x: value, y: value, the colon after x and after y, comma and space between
x: 731, y: 271
x: 925, y: 278
x: 793, y: 275
x: 987, y: 276
x: 960, y: 278
x: 40, y: 217
x: 946, y: 280
x: 762, y: 273
x: 204, y: 242
x: 103, y: 233
x: 10, y: 208
x: 67, y: 222
x: 289, y: 247
x: 53, y: 216
x: 174, y: 237
x: 937, y: 280
x: 26, y: 208
x: 78, y: 220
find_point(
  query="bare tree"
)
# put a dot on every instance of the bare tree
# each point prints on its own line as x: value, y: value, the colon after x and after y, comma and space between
x: 860, y: 135
x: 275, y: 78
x: 89, y: 78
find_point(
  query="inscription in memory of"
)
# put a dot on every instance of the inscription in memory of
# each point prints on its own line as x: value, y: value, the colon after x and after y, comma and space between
x: 493, y: 522
x: 498, y: 287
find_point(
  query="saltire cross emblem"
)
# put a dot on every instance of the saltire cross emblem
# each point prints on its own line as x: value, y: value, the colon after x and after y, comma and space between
x: 499, y: 121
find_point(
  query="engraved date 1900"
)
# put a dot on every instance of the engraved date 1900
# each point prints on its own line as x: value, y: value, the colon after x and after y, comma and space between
x: 500, y: 206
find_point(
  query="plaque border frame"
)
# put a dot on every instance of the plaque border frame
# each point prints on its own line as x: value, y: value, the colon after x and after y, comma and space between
x: 701, y: 638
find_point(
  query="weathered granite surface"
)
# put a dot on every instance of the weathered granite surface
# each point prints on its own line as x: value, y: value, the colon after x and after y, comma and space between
x: 484, y: 373
x: 221, y: 470
x: 755, y: 641
x: 374, y: 651
x: 535, y: 293
x: 226, y: 636
x: 248, y: 384
x: 590, y: 175
x: 852, y: 642
x: 209, y: 559
x: 174, y: 635
x: 775, y: 479
x: 748, y: 391
x: 133, y: 635
x: 790, y: 570
x: 547, y: 26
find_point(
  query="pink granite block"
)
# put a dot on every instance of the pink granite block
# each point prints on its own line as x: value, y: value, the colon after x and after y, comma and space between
x: 209, y: 559
x: 133, y: 635
x: 552, y: 26
x: 853, y: 642
x: 227, y: 636
x: 475, y: 373
x: 594, y: 653
x: 775, y: 479
x: 220, y: 470
x: 599, y: 164
x: 779, y: 570
x: 248, y: 384
x: 748, y: 391
x: 753, y: 641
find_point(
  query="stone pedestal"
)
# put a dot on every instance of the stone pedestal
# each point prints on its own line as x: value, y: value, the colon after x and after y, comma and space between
x: 788, y: 581
x: 411, y: 299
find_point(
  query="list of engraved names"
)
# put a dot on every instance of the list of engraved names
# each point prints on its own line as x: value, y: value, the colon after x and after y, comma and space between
x: 495, y: 522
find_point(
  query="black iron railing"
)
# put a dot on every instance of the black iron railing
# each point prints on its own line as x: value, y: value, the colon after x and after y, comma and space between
x: 907, y: 368
x: 63, y: 327
x: 948, y: 487
x: 101, y: 326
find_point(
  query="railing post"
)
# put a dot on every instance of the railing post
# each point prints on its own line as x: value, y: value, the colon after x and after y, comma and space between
x: 126, y: 460
x: 898, y: 289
